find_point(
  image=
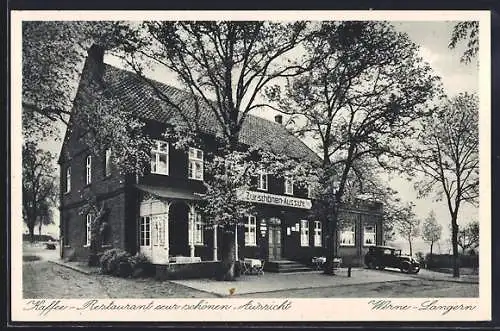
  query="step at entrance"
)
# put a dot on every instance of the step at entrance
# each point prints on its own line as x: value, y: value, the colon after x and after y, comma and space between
x: 283, y: 266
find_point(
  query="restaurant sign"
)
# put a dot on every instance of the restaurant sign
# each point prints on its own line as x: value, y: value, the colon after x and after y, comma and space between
x: 274, y: 199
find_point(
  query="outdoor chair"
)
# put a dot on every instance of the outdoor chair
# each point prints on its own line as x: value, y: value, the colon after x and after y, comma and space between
x: 259, y: 269
x: 245, y: 268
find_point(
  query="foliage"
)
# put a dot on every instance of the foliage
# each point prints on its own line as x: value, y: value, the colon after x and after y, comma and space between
x: 366, y: 88
x: 466, y: 31
x: 431, y: 230
x: 117, y: 262
x: 468, y: 236
x: 447, y: 155
x: 226, y: 61
x: 407, y: 224
x: 39, y: 188
x: 107, y: 124
x: 52, y: 57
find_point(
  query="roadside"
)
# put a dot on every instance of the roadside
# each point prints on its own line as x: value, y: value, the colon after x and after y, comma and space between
x: 45, y: 279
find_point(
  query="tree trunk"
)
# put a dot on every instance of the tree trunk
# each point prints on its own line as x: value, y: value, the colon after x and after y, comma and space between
x: 329, y: 267
x: 454, y: 244
x: 411, y: 250
x: 40, y: 229
x: 31, y: 229
x: 227, y: 270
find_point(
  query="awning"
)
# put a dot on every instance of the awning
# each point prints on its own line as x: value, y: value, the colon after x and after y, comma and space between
x: 169, y: 192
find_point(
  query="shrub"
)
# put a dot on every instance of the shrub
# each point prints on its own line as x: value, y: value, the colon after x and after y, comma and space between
x: 118, y: 262
x: 140, y: 265
x: 111, y: 259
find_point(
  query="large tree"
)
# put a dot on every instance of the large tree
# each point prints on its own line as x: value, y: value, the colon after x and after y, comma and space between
x: 431, y: 230
x: 39, y: 189
x: 366, y: 89
x: 224, y: 66
x: 53, y: 53
x: 446, y: 157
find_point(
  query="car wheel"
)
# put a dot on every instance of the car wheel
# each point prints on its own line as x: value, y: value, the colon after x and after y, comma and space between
x: 405, y: 268
x: 371, y: 265
x: 381, y: 267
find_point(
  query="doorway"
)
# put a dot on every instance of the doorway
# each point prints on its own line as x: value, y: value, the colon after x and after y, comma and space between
x: 274, y: 242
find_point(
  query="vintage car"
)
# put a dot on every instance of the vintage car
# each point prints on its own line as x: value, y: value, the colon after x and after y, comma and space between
x: 380, y: 257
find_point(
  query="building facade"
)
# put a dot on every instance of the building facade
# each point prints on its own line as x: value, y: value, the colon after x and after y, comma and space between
x: 157, y: 214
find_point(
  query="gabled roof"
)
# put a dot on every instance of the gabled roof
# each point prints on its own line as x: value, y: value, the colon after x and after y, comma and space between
x: 138, y: 96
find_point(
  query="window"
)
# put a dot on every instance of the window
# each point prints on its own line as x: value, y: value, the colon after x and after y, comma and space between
x: 107, y: 163
x: 199, y: 227
x: 88, y: 170
x: 317, y: 234
x: 145, y: 231
x: 251, y: 231
x: 88, y: 229
x: 288, y: 186
x: 369, y: 235
x: 159, y: 158
x: 195, y: 170
x: 347, y: 235
x: 304, y: 233
x: 262, y: 181
x: 68, y: 179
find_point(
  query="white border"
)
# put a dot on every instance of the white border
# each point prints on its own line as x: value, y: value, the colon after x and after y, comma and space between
x: 336, y: 309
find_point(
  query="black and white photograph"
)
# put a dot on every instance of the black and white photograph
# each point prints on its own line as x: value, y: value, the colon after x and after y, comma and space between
x: 219, y: 164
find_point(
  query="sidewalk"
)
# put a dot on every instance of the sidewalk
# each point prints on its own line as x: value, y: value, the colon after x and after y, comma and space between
x: 77, y: 266
x: 271, y: 282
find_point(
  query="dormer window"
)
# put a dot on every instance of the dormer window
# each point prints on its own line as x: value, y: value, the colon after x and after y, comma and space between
x: 288, y: 186
x: 262, y: 181
x: 195, y: 166
x: 159, y: 158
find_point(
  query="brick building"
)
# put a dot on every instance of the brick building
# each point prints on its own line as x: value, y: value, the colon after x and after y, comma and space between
x: 157, y: 213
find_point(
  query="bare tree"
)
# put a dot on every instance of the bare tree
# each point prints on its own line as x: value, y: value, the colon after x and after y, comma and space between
x: 431, y: 230
x: 448, y: 158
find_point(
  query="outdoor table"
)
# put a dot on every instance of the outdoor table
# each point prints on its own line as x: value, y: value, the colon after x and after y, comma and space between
x: 253, y: 265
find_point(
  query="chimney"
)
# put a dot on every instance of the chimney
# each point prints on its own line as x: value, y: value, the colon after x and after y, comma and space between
x: 95, y: 61
x: 278, y: 119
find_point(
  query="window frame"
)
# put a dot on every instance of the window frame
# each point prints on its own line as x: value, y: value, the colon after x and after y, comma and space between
x: 374, y: 226
x: 88, y: 170
x: 352, y: 225
x: 261, y: 181
x: 248, y: 230
x: 197, y: 238
x: 107, y: 162
x: 318, y: 233
x: 156, y: 152
x: 288, y: 180
x: 304, y: 233
x: 68, y: 179
x: 145, y: 228
x: 194, y: 159
x: 88, y: 229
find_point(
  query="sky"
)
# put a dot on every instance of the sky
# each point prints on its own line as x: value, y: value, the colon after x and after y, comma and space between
x: 433, y: 38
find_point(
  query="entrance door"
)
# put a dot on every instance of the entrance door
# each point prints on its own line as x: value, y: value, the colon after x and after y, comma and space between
x: 152, y: 238
x: 274, y: 242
